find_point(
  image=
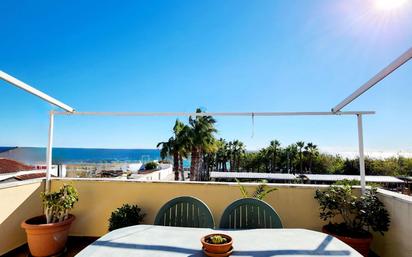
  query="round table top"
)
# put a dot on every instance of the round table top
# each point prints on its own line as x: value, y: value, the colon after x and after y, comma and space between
x: 150, y: 240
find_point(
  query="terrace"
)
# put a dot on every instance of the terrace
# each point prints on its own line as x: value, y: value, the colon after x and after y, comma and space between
x: 295, y: 204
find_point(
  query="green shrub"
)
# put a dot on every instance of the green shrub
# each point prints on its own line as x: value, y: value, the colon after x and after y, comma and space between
x: 127, y: 215
x: 357, y: 212
x: 150, y: 166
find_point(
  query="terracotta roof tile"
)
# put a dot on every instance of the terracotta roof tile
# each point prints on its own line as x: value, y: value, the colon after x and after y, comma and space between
x: 30, y: 176
x: 7, y: 166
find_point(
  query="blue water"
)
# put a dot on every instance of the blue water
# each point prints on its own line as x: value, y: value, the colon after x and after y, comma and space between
x: 5, y: 148
x: 37, y: 155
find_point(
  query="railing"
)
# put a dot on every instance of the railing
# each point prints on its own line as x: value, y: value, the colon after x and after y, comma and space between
x: 99, y: 197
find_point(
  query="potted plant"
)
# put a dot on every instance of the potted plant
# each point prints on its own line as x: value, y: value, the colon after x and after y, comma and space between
x: 359, y: 215
x: 217, y: 245
x: 47, y: 234
x: 260, y: 192
x: 127, y: 215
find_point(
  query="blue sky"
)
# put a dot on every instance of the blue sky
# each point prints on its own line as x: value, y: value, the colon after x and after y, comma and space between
x: 219, y: 55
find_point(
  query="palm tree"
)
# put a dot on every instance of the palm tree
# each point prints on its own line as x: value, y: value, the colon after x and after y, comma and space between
x: 231, y: 154
x: 300, y: 146
x: 274, y: 148
x: 176, y: 146
x: 239, y: 151
x: 221, y: 154
x: 166, y: 148
x: 264, y: 158
x: 290, y: 153
x: 183, y: 144
x: 169, y: 148
x: 312, y: 150
x: 201, y: 140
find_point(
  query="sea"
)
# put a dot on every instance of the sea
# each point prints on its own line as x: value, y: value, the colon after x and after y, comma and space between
x: 37, y: 155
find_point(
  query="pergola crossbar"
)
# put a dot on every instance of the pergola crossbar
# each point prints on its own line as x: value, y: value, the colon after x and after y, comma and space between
x: 173, y: 114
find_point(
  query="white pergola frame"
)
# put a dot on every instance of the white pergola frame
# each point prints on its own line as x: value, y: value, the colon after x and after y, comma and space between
x: 336, y: 111
x: 358, y: 114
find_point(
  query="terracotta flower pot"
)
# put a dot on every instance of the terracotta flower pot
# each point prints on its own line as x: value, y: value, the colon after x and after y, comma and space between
x: 361, y: 245
x: 217, y: 248
x: 46, y: 239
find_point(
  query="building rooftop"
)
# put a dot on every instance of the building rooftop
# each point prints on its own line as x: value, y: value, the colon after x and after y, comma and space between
x: 8, y: 166
x: 312, y: 177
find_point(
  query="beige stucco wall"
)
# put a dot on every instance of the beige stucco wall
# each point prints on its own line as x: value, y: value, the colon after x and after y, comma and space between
x: 98, y: 198
x: 18, y: 201
x: 295, y: 204
x: 397, y: 241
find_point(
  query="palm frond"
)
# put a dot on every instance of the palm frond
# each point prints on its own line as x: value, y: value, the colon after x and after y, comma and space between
x: 245, y: 194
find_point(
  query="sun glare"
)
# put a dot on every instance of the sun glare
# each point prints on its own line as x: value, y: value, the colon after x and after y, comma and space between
x: 389, y: 4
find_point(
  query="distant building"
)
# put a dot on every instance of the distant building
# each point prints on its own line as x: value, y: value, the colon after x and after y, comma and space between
x: 12, y: 171
x: 388, y: 182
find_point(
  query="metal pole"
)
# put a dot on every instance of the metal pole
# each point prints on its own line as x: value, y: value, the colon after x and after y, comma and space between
x: 361, y: 154
x: 49, y: 155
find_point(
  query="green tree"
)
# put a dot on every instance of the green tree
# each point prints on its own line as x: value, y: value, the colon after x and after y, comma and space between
x: 300, y: 145
x: 289, y: 156
x: 176, y: 146
x: 312, y: 151
x: 168, y: 148
x: 273, y: 150
x: 201, y: 141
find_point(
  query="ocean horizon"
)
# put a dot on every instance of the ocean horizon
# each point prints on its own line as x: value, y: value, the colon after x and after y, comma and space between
x: 68, y: 155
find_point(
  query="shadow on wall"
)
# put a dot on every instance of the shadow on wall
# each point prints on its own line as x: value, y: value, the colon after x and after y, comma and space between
x: 17, y: 204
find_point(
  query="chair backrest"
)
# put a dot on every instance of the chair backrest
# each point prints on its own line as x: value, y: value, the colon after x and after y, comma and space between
x: 185, y: 211
x: 249, y: 213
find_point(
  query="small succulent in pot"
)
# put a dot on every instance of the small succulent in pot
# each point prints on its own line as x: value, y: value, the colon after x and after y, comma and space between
x: 217, y: 239
x: 217, y: 243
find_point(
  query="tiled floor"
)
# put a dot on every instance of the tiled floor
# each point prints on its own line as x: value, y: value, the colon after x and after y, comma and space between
x: 74, y: 245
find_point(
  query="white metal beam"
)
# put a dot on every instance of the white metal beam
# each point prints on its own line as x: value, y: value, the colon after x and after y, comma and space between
x: 49, y: 153
x: 20, y: 84
x: 213, y: 113
x: 361, y: 154
x: 375, y: 79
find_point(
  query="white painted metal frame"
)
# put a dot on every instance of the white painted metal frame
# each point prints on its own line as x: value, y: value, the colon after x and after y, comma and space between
x: 398, y: 62
x: 174, y: 114
x: 251, y: 114
x: 20, y: 84
x: 335, y: 111
x: 49, y: 155
x: 361, y: 154
x: 70, y: 111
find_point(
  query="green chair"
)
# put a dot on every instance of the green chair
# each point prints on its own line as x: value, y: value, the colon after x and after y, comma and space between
x: 185, y: 211
x: 249, y: 213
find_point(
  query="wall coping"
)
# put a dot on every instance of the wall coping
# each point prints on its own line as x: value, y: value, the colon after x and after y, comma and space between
x: 190, y: 182
x: 384, y: 192
x: 396, y: 196
x: 21, y: 183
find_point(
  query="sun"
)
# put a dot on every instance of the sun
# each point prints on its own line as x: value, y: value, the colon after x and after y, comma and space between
x: 389, y: 4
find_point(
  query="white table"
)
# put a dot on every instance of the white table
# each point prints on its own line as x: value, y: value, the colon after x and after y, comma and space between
x: 149, y: 240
